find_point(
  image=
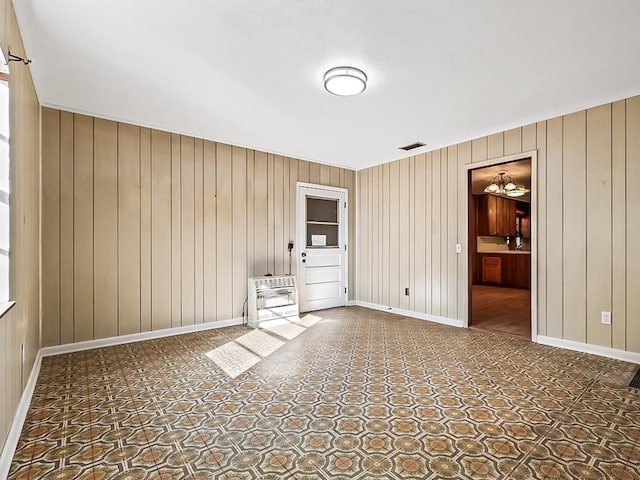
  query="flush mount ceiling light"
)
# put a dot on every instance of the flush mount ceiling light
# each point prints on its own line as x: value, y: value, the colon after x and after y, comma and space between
x: 345, y: 81
x: 501, y: 184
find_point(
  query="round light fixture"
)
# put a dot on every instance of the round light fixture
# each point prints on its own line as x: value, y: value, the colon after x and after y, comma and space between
x: 345, y: 81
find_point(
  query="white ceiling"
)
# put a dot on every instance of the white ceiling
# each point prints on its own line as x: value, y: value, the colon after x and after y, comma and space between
x: 249, y: 72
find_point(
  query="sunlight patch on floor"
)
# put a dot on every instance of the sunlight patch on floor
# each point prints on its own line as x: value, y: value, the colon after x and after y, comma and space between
x: 239, y: 355
x: 233, y: 358
x: 260, y: 343
x: 283, y: 327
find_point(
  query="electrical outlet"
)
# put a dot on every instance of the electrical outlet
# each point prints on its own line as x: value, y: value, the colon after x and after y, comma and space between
x: 458, y: 248
x: 606, y: 318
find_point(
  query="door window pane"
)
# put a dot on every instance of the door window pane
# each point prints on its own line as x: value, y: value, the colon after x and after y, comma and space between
x: 322, y: 210
x: 319, y: 235
x: 322, y: 223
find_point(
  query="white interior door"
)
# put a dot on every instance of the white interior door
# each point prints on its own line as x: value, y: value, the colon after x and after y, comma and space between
x: 322, y: 251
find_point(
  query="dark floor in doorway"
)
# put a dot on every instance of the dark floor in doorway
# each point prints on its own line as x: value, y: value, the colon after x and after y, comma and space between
x: 635, y: 381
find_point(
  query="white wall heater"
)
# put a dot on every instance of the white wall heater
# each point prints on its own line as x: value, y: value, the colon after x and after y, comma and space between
x: 271, y: 298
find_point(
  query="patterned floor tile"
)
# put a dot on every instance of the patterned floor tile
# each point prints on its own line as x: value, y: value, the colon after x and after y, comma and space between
x: 360, y: 394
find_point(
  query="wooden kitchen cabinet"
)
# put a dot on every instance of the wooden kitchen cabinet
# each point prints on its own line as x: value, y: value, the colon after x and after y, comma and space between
x: 507, y: 270
x: 495, y: 216
x: 491, y: 269
x: 525, y: 227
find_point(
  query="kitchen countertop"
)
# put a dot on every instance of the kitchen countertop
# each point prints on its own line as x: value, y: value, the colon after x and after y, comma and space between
x: 508, y: 252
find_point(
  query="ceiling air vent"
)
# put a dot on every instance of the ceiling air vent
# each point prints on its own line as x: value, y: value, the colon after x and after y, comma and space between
x: 406, y: 148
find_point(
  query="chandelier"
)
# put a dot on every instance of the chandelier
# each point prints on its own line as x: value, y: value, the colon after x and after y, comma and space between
x: 503, y: 184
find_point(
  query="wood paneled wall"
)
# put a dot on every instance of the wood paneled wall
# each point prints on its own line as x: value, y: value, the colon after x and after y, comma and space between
x: 411, y: 215
x: 145, y: 230
x: 21, y: 326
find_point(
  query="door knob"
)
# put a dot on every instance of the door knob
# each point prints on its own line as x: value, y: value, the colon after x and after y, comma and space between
x: 303, y: 254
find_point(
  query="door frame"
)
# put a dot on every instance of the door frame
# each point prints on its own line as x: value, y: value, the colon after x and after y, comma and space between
x: 300, y: 219
x: 533, y: 154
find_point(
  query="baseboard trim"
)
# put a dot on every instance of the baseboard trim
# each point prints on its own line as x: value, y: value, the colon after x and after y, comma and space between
x: 20, y: 416
x: 453, y: 322
x: 137, y: 337
x: 587, y: 348
x: 10, y: 445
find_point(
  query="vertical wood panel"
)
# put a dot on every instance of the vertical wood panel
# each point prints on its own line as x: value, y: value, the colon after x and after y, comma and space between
x: 479, y: 149
x: 8, y: 402
x: 278, y: 216
x: 251, y: 252
x: 495, y: 145
x: 286, y: 236
x: 145, y: 229
x: 574, y: 223
x: 106, y: 228
x: 303, y: 171
x: 83, y: 228
x: 403, y: 233
x: 66, y: 228
x: 22, y: 325
x: 364, y: 283
x: 444, y: 259
x: 463, y: 151
x: 161, y: 279
x: 334, y: 176
x: 529, y: 141
x: 177, y: 225
x: 271, y: 222
x: 50, y: 228
x: 128, y: 229
x: 314, y: 173
x: 382, y: 236
x: 428, y: 236
x: 394, y: 233
x: 187, y: 230
x: 633, y: 224
x: 325, y: 174
x: 293, y: 224
x: 541, y: 224
x: 513, y: 141
x: 239, y: 233
x: 210, y: 280
x: 412, y: 233
x: 420, y: 233
x: 555, y: 277
x: 583, y: 203
x: 375, y: 235
x: 385, y: 235
x: 452, y: 215
x: 199, y: 229
x: 436, y: 183
x: 350, y: 184
x: 598, y: 226
x: 261, y: 200
x: 619, y: 227
x: 224, y: 228
x: 176, y: 222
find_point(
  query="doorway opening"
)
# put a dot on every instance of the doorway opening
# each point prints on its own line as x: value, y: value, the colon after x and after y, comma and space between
x: 501, y: 209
